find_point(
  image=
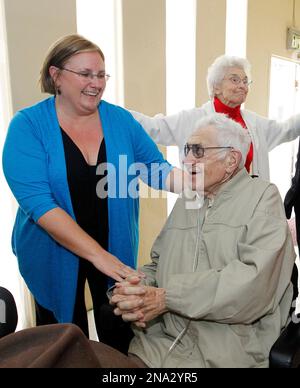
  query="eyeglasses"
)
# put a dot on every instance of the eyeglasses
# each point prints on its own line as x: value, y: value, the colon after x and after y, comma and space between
x: 237, y: 80
x: 88, y: 74
x: 198, y: 150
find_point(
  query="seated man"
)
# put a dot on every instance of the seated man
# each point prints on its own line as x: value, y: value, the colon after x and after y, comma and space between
x: 218, y: 291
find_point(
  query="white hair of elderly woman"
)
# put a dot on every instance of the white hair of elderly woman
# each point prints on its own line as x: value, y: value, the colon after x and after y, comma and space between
x: 217, y: 71
x: 229, y: 133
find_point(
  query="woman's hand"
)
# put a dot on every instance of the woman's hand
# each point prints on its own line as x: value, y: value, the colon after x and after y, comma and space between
x: 111, y: 266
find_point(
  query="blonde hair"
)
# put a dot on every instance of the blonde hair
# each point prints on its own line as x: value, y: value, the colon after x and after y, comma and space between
x: 59, y: 53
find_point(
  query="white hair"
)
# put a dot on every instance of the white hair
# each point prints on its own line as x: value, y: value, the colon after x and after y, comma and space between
x: 217, y: 71
x: 229, y: 133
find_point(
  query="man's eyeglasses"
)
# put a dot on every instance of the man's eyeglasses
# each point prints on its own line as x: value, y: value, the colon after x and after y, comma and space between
x: 88, y: 74
x: 237, y: 80
x: 198, y: 151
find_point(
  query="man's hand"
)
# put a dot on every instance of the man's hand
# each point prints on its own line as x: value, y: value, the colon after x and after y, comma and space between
x: 138, y: 303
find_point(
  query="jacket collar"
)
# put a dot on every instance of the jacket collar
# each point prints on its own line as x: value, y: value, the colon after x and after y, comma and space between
x: 235, y: 184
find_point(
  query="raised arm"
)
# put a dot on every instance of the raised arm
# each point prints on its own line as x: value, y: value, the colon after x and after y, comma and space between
x: 169, y: 130
x: 158, y: 173
x: 278, y: 132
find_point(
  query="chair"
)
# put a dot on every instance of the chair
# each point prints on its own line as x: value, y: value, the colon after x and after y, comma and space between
x: 8, y: 313
x: 285, y: 353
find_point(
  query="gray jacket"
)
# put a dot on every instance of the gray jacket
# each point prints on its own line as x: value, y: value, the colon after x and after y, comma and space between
x: 228, y: 292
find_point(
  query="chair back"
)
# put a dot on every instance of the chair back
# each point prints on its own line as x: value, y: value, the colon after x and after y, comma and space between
x: 285, y: 353
x: 8, y: 313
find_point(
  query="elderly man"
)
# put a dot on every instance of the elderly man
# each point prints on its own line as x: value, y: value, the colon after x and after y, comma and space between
x: 217, y: 292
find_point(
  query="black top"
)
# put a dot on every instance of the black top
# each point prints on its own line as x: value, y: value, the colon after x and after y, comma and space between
x: 91, y: 212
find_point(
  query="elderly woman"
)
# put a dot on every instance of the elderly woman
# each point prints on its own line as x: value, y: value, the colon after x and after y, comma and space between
x: 77, y: 219
x: 218, y: 291
x: 228, y: 81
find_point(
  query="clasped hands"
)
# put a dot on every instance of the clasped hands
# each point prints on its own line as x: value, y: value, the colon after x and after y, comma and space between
x: 136, y: 302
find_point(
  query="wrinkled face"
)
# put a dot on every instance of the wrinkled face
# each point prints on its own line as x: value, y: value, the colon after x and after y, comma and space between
x: 81, y: 94
x: 233, y: 89
x: 212, y: 164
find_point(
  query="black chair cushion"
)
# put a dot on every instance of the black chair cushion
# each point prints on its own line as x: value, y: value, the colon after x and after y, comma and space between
x: 285, y: 353
x: 8, y: 313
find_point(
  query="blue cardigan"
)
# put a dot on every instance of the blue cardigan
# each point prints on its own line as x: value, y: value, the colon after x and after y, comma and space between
x: 35, y: 169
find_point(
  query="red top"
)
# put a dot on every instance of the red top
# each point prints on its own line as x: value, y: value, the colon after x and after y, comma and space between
x: 235, y: 114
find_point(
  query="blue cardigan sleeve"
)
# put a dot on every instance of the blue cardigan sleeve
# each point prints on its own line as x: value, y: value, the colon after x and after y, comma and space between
x: 25, y: 167
x: 152, y: 166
